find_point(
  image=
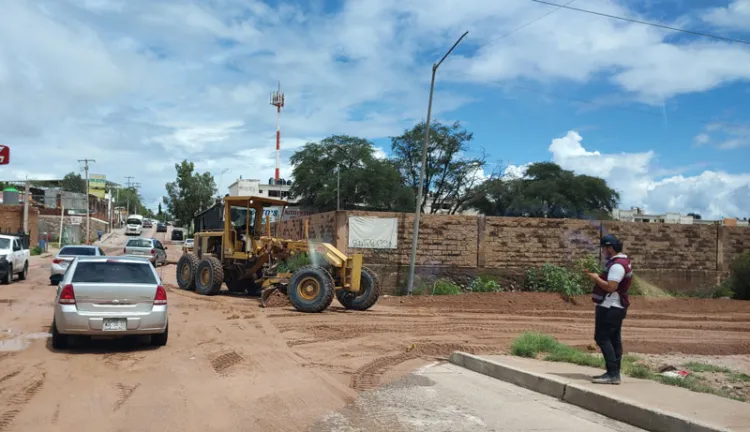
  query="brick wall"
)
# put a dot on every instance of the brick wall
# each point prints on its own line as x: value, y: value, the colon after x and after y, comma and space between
x: 677, y: 257
x: 11, y: 221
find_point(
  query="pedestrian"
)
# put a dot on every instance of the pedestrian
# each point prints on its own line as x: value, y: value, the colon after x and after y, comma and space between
x: 610, y: 294
x: 100, y: 235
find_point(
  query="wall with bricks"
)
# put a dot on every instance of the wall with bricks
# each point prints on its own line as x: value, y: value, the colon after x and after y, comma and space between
x: 11, y: 221
x: 675, y: 257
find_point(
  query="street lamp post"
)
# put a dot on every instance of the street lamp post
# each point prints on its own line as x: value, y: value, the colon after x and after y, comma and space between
x: 418, y: 211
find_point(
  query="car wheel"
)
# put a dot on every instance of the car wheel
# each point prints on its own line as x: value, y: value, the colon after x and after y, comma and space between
x: 160, y: 339
x: 25, y: 271
x: 59, y: 341
x: 9, y: 276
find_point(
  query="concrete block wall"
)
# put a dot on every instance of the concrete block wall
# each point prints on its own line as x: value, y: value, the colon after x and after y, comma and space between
x: 675, y: 257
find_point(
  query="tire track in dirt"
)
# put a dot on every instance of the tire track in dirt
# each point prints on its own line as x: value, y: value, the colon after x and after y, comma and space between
x: 225, y: 361
x: 368, y: 376
x: 18, y: 401
x: 125, y: 392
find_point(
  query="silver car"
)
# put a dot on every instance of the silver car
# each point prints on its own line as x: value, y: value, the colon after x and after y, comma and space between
x: 110, y: 296
x: 65, y: 257
x: 148, y: 248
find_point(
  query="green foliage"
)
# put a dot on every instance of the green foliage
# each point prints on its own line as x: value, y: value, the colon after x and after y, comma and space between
x: 739, y: 278
x: 483, y: 284
x: 295, y: 262
x: 190, y: 193
x: 549, y: 191
x: 445, y: 287
x: 568, y: 281
x: 36, y: 250
x: 129, y: 198
x: 363, y: 178
x: 450, y: 179
x: 74, y: 182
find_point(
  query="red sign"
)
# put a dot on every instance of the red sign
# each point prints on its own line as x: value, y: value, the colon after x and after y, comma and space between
x: 4, y: 155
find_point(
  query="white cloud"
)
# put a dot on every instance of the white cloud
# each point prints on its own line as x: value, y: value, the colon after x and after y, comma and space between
x: 139, y: 86
x: 724, y: 136
x: 735, y: 16
x: 712, y: 194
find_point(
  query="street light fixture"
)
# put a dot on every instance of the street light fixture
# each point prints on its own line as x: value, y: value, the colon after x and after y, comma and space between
x: 417, y: 213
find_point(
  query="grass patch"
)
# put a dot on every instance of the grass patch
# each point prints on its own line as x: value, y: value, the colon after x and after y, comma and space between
x: 484, y: 284
x: 445, y: 287
x: 705, y: 367
x: 642, y: 287
x: 546, y: 347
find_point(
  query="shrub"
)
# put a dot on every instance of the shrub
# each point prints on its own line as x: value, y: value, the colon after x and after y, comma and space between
x: 445, y: 287
x: 295, y: 262
x: 570, y: 281
x: 36, y: 250
x: 739, y: 278
x: 482, y: 284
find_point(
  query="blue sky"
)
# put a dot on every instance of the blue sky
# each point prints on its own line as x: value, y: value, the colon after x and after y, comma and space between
x: 139, y: 86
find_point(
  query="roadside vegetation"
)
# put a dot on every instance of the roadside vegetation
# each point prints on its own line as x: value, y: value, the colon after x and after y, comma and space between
x: 702, y: 379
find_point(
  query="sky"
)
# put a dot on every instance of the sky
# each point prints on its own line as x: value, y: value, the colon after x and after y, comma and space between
x: 138, y: 86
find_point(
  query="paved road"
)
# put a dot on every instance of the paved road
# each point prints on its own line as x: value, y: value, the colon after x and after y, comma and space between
x: 446, y: 398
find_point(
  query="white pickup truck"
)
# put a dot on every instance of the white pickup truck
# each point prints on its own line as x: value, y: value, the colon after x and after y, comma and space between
x: 14, y: 259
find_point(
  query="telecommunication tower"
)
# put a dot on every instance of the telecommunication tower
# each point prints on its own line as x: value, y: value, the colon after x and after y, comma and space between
x: 277, y: 100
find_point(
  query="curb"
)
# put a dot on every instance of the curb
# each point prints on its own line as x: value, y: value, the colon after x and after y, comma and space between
x: 626, y: 411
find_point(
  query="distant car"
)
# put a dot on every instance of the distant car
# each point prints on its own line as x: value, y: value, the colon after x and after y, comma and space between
x: 187, y: 246
x: 65, y: 257
x: 147, y: 223
x: 161, y: 227
x: 110, y: 296
x: 14, y: 258
x: 177, y: 235
x: 146, y: 248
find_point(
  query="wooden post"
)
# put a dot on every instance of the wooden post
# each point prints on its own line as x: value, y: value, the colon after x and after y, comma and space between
x: 307, y: 227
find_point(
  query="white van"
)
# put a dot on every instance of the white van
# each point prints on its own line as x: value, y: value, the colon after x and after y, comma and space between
x: 134, y: 225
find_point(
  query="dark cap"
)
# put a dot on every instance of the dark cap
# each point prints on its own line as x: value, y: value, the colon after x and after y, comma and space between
x: 609, y: 240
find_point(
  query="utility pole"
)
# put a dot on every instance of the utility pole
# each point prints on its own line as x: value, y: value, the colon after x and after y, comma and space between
x: 88, y: 206
x: 136, y: 186
x: 417, y: 213
x: 338, y: 187
x: 127, y: 186
x: 26, y: 196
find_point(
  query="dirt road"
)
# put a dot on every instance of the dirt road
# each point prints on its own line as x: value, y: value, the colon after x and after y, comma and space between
x: 231, y: 365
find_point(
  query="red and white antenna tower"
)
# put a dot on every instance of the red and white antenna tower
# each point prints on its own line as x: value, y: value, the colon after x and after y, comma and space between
x: 277, y: 100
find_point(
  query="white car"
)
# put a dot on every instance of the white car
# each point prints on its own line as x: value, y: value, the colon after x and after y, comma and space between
x: 111, y: 296
x: 14, y: 259
x: 65, y: 257
x: 134, y: 225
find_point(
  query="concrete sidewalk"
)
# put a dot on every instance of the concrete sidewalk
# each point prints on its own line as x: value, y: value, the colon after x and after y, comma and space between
x: 449, y: 398
x: 642, y: 403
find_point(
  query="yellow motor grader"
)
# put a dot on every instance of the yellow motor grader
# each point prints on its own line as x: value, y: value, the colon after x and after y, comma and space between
x: 230, y: 249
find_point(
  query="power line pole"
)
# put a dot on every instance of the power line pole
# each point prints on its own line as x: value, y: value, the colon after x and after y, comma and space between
x: 88, y: 206
x: 127, y: 186
x: 136, y: 186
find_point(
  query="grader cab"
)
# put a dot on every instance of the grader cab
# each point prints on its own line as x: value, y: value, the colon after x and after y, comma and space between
x: 230, y: 249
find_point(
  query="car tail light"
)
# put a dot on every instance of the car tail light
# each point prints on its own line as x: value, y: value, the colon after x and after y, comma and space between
x: 57, y: 260
x: 67, y: 295
x: 124, y: 250
x: 160, y: 298
x: 153, y: 251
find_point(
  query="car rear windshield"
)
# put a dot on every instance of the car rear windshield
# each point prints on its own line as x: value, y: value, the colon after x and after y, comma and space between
x: 113, y: 272
x: 139, y: 243
x: 77, y: 251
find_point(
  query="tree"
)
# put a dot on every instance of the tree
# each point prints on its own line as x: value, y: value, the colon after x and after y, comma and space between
x: 365, y: 181
x: 159, y: 213
x: 73, y: 182
x: 190, y: 193
x: 130, y: 199
x: 450, y: 179
x: 548, y: 191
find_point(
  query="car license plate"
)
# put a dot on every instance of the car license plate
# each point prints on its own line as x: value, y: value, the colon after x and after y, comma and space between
x: 115, y: 324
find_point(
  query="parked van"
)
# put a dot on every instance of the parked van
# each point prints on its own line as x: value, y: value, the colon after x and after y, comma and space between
x: 134, y: 225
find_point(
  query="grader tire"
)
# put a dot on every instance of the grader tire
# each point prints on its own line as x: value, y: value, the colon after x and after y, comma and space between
x: 311, y: 289
x: 369, y: 292
x: 187, y: 268
x: 209, y: 277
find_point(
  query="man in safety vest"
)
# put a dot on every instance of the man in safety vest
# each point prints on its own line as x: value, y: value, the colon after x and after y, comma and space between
x: 610, y: 294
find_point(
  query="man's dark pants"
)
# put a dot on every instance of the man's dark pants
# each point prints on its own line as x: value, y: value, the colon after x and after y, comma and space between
x: 608, y: 335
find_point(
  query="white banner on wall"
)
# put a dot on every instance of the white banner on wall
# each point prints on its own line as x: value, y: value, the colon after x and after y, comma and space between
x: 373, y: 232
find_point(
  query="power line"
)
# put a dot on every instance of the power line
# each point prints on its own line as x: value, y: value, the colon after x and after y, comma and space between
x: 723, y: 38
x: 522, y: 26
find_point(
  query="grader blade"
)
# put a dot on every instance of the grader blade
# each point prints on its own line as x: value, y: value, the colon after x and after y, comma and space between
x: 266, y: 294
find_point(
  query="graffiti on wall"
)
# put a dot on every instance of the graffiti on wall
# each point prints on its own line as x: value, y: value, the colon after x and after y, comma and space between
x: 373, y: 232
